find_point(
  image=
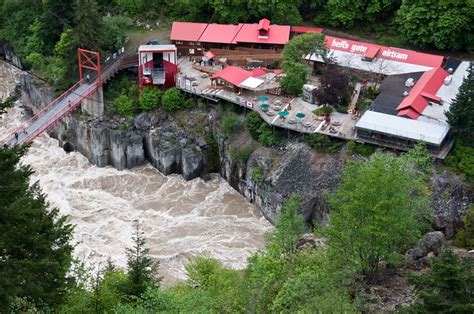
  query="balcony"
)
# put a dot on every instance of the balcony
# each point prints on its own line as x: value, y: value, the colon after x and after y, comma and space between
x: 158, y: 75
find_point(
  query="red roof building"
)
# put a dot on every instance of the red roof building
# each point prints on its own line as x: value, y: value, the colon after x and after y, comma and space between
x: 276, y: 34
x: 186, y: 31
x: 219, y: 33
x: 262, y: 33
x: 422, y: 93
x: 233, y: 75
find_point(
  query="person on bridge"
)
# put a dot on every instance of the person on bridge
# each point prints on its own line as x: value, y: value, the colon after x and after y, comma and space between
x: 88, y: 78
x: 16, y: 136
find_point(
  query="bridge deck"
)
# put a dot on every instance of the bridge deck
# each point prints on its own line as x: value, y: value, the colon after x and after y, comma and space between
x: 51, y: 114
x: 58, y: 108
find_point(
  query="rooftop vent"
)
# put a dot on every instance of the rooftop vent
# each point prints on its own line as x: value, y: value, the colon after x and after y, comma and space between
x: 410, y: 82
x: 448, y: 79
x: 405, y: 93
x: 450, y: 70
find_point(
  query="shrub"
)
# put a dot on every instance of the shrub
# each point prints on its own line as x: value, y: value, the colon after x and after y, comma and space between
x: 267, y: 137
x: 361, y: 149
x: 322, y: 142
x: 461, y: 160
x: 253, y: 121
x: 240, y: 154
x: 257, y: 173
x: 124, y: 106
x: 149, y: 99
x: 322, y: 111
x: 230, y: 123
x: 261, y: 131
x: 173, y: 100
x: 465, y: 236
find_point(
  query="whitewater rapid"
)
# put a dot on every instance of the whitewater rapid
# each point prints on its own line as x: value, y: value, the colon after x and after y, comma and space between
x: 180, y: 219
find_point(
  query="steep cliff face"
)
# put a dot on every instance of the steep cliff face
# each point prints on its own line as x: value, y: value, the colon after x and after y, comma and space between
x: 6, y: 52
x: 270, y: 176
x: 267, y: 178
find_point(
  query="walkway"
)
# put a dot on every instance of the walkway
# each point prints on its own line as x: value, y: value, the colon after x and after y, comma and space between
x: 195, y: 82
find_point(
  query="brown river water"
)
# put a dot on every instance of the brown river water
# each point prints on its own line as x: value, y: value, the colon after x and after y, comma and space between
x: 180, y: 219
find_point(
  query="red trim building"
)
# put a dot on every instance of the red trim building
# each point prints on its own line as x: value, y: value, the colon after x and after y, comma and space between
x: 157, y: 66
x: 195, y: 38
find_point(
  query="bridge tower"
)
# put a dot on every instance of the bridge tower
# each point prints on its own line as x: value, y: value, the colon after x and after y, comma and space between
x: 90, y: 71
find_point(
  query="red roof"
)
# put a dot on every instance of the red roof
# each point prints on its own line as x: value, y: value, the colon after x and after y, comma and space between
x: 233, y: 75
x: 219, y: 33
x: 258, y: 72
x: 304, y: 29
x: 210, y: 54
x: 264, y: 24
x: 424, y: 90
x: 277, y: 34
x: 186, y: 31
x: 387, y: 53
x: 372, y: 52
x: 409, y: 113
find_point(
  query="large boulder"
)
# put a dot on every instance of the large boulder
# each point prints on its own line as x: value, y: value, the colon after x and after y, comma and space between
x: 450, y: 199
x: 431, y: 244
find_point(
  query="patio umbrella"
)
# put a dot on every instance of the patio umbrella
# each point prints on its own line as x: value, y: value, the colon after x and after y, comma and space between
x: 262, y: 98
x: 264, y: 106
x: 283, y: 114
x: 300, y: 115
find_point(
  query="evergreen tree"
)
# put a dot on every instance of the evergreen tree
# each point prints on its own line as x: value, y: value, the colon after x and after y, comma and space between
x: 461, y: 112
x: 89, y: 28
x: 141, y: 269
x: 57, y: 15
x: 448, y: 287
x: 35, y: 249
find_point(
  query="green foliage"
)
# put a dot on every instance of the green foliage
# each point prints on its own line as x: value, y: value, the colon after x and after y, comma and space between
x: 253, y: 121
x: 141, y: 269
x: 295, y: 77
x: 300, y: 46
x: 323, y: 110
x: 293, y: 54
x: 173, y: 100
x: 461, y: 160
x: 461, y: 112
x: 240, y: 154
x: 88, y: 25
x: 99, y: 292
x: 322, y: 142
x: 115, y: 31
x: 230, y: 123
x: 7, y: 103
x: 379, y: 209
x: 150, y: 98
x: 447, y: 288
x: 289, y: 227
x: 439, y: 23
x: 201, y: 270
x: 465, y: 236
x: 213, y: 156
x: 261, y: 131
x: 257, y: 173
x: 267, y: 136
x: 35, y: 249
x: 347, y: 13
x: 360, y: 149
x: 124, y: 106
